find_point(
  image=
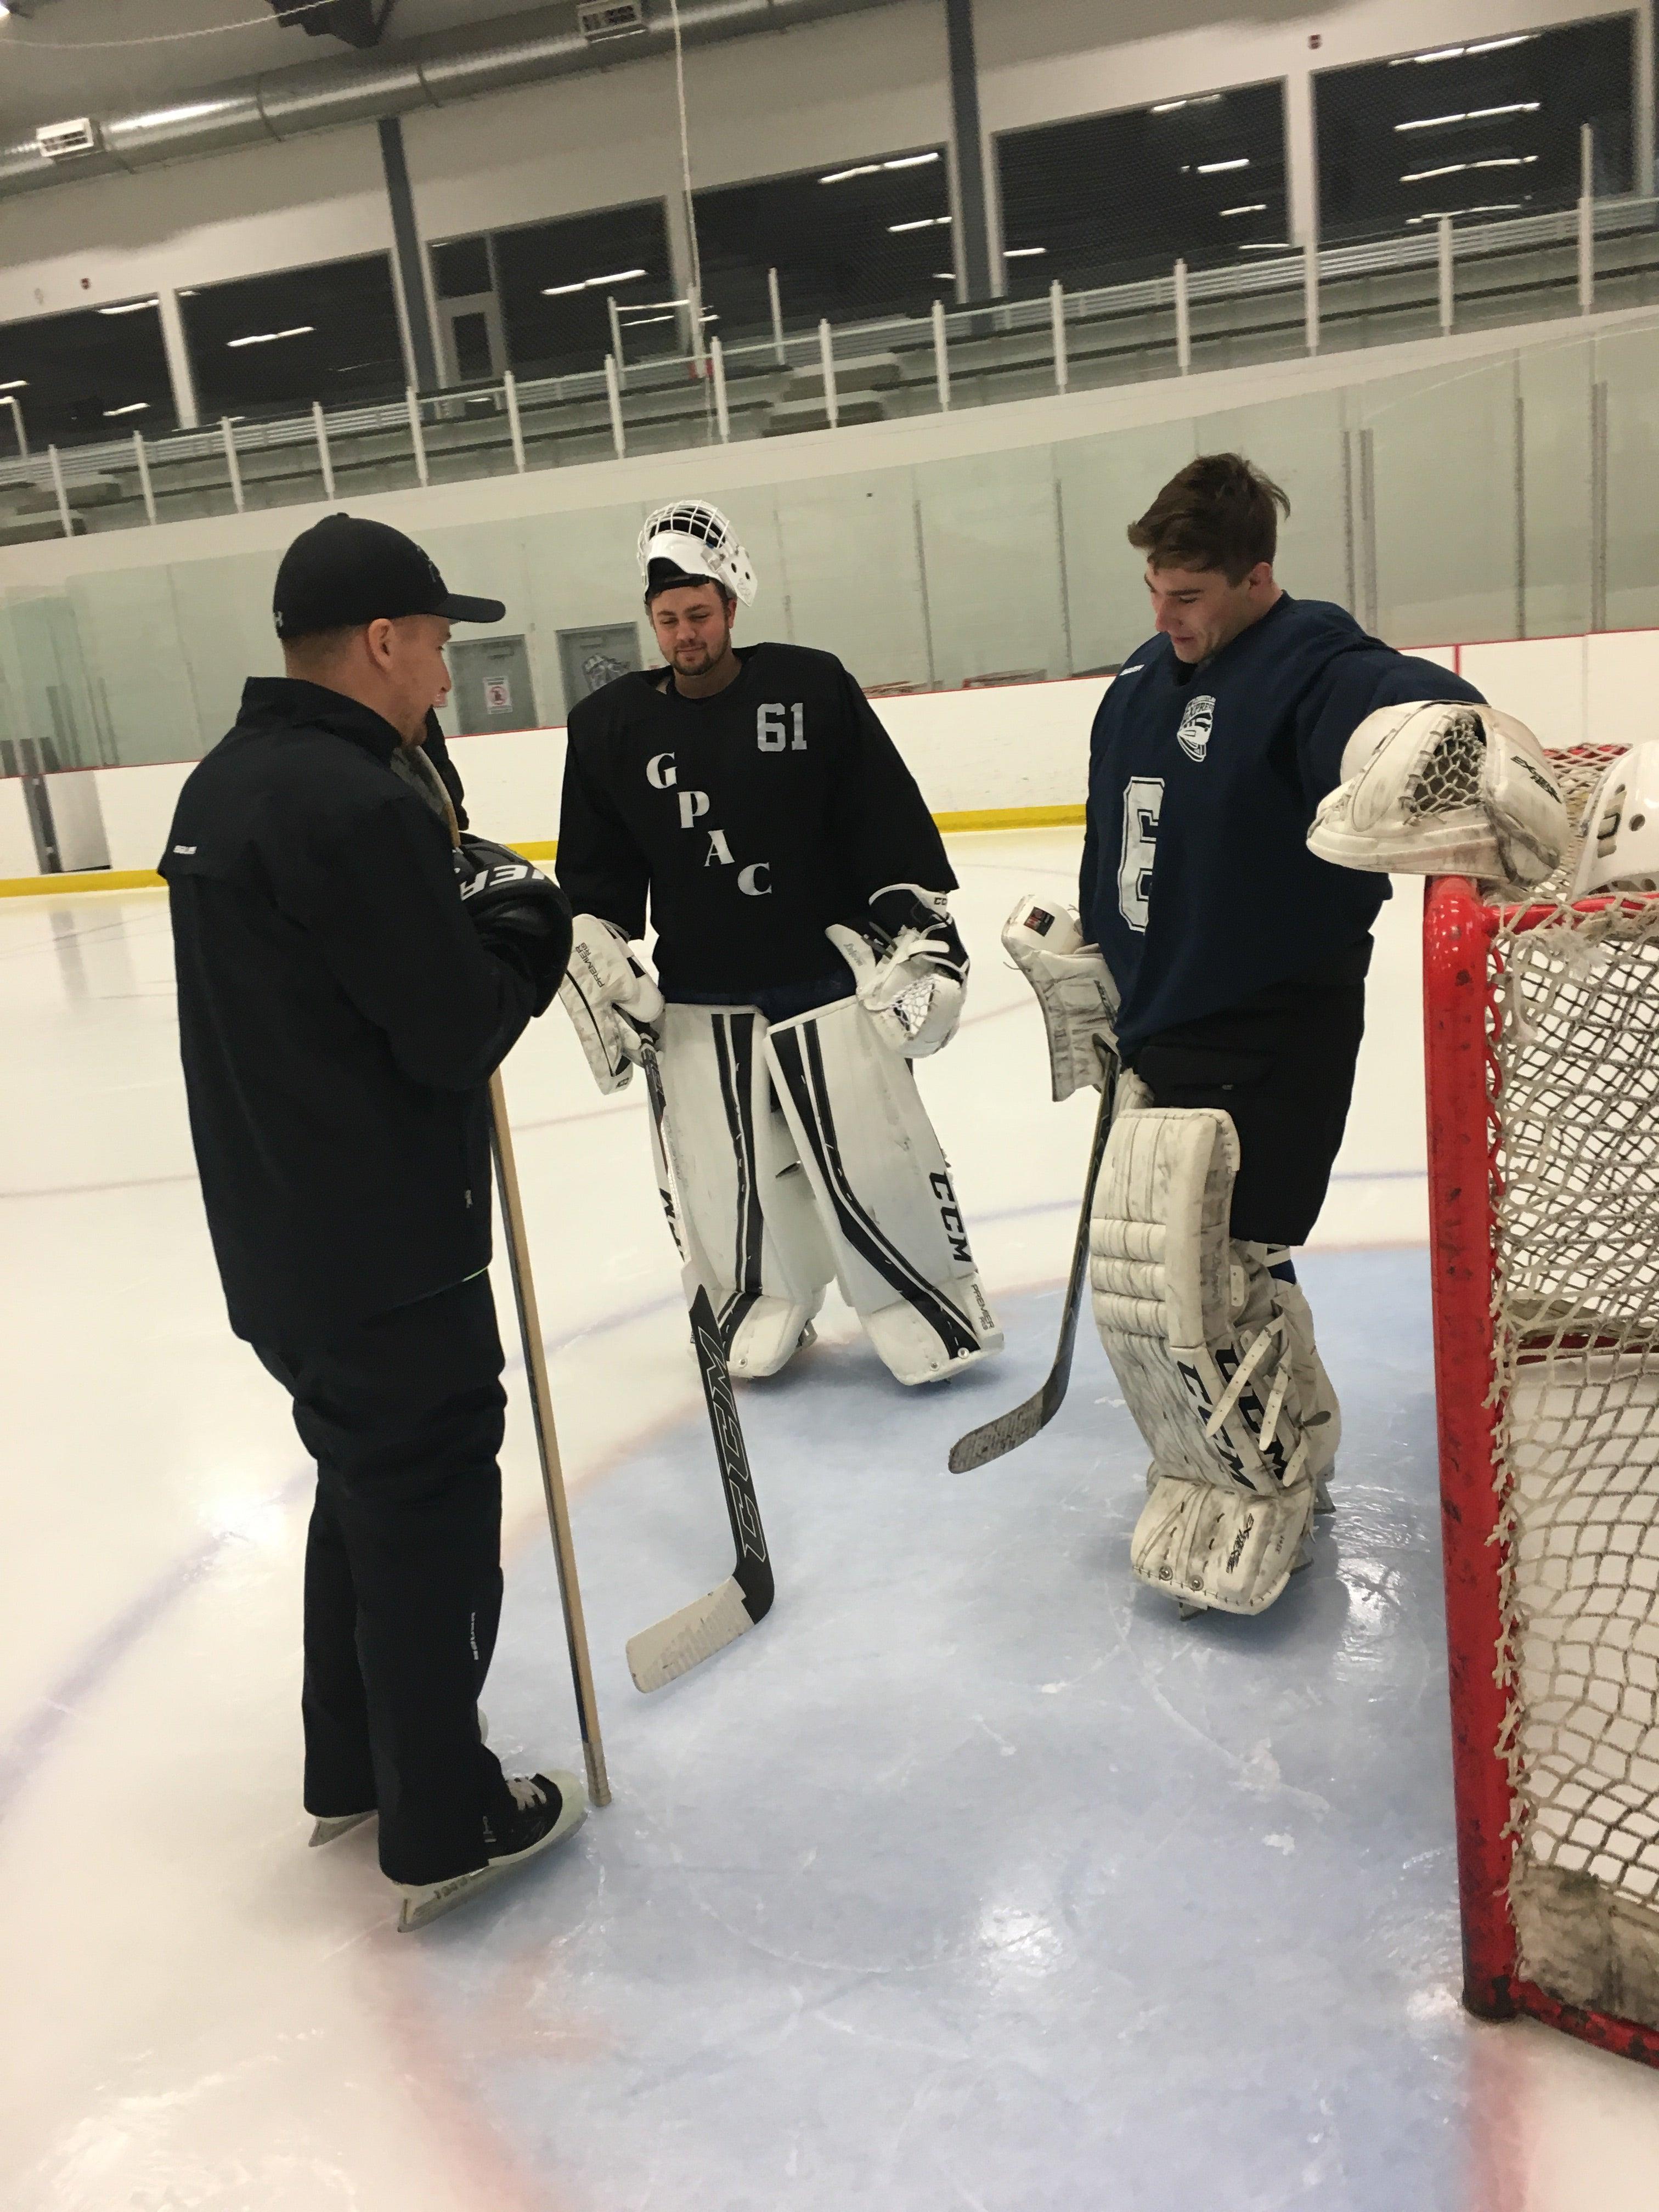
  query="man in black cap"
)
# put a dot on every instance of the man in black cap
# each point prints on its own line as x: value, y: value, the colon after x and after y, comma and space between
x: 342, y: 1002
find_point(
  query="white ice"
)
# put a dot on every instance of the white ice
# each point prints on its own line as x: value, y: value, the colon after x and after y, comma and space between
x: 973, y: 1878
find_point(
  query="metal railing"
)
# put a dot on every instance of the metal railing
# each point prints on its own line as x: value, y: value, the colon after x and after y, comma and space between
x: 771, y: 384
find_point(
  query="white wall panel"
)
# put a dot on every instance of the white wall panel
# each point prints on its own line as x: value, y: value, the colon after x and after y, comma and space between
x: 138, y: 806
x: 1540, y: 679
x: 16, y: 839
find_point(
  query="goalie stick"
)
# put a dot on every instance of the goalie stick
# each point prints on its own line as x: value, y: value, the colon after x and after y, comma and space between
x: 660, y: 1654
x: 1009, y: 1431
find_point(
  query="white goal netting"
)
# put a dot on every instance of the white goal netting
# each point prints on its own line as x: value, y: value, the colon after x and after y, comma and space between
x: 1573, y: 1092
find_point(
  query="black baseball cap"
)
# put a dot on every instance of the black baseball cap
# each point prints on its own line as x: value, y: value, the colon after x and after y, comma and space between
x: 346, y: 571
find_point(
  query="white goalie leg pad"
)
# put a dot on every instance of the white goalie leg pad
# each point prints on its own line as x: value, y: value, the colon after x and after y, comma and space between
x: 1202, y: 1351
x: 740, y: 1207
x: 885, y: 1192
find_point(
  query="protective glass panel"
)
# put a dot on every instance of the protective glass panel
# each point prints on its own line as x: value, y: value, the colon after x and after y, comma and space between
x: 1442, y: 482
x: 990, y: 536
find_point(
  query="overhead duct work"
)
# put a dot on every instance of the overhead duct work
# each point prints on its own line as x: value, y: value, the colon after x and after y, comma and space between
x: 541, y: 44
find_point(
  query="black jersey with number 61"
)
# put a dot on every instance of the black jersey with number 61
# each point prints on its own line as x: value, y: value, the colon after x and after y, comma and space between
x: 751, y: 820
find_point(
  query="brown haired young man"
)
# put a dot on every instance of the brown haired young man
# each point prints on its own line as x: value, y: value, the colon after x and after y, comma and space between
x: 1234, y: 977
x: 806, y: 954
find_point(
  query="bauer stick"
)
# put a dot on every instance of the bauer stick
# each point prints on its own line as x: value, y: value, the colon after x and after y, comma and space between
x: 541, y: 1395
x: 1009, y: 1431
x: 660, y: 1654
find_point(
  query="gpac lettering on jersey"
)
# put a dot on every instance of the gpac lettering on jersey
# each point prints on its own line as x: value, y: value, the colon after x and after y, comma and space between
x: 749, y: 879
x: 661, y: 771
x: 718, y: 853
x: 1143, y: 803
x: 780, y: 727
x: 693, y: 805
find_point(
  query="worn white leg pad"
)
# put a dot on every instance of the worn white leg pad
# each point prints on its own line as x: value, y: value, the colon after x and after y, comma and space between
x: 883, y: 1192
x: 1201, y: 1351
x: 736, y: 1197
x: 1321, y: 1419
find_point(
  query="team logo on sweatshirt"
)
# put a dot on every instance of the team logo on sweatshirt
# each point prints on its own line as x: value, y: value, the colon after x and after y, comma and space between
x: 1193, y: 735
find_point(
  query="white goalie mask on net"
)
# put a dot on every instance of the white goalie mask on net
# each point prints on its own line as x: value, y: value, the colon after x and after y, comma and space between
x: 1621, y: 827
x: 698, y: 540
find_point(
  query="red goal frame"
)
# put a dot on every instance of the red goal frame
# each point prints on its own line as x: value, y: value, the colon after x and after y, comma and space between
x: 1460, y: 1014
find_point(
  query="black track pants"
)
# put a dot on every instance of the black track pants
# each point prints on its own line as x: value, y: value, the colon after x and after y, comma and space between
x: 403, y: 1414
x: 1282, y: 1065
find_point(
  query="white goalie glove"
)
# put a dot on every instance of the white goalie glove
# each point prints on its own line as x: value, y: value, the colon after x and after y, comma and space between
x: 1073, y: 986
x: 1443, y: 789
x: 603, y: 983
x: 910, y: 968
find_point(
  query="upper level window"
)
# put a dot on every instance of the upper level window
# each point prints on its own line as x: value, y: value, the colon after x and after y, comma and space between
x: 855, y: 241
x: 270, y: 344
x: 1478, y: 129
x: 556, y: 281
x: 97, y: 373
x: 1105, y: 199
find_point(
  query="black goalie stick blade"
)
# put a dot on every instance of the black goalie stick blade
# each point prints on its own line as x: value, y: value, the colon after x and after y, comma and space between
x: 1009, y: 1431
x: 660, y: 1654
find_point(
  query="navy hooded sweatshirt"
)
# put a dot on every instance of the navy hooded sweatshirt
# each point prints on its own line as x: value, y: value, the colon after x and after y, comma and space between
x: 1197, y: 882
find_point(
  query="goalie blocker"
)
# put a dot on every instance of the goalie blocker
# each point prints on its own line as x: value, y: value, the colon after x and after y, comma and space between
x: 794, y: 1153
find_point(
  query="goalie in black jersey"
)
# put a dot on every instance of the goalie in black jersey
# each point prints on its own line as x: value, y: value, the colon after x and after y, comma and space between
x: 804, y: 956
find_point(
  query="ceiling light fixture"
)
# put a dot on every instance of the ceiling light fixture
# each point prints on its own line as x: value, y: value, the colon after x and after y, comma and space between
x: 590, y: 283
x: 862, y: 169
x: 922, y: 223
x: 1471, y: 115
x: 1486, y: 207
x: 911, y: 160
x: 1219, y: 168
x: 1252, y: 207
x: 130, y: 308
x: 1452, y: 53
x: 269, y: 338
x: 1022, y: 252
x: 17, y: 384
x: 133, y: 407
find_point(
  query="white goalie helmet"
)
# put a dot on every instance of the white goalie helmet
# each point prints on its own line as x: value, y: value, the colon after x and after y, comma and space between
x: 1621, y: 827
x: 695, y: 538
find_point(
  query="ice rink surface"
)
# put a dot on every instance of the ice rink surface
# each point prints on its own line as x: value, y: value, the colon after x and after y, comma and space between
x: 973, y: 1878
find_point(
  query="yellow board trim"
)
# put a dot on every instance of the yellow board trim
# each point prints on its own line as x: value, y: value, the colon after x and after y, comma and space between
x: 146, y: 880
x: 94, y: 879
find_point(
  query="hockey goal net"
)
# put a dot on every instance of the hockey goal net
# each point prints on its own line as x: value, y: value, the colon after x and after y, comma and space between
x: 1542, y: 1029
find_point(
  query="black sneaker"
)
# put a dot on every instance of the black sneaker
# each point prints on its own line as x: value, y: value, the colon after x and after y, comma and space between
x: 541, y: 1810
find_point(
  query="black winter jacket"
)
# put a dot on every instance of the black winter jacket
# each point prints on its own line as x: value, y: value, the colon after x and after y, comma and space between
x: 339, y: 1017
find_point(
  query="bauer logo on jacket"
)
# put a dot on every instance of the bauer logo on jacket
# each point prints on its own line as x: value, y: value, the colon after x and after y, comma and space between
x: 1193, y: 735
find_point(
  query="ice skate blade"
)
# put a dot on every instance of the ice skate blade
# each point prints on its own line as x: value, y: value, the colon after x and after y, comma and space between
x: 424, y: 1902
x: 1322, y: 1502
x: 1186, y: 1607
x: 329, y: 1830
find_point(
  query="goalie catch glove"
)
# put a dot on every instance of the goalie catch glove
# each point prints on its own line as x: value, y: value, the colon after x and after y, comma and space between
x: 1073, y: 986
x: 520, y: 914
x: 1444, y: 788
x: 910, y: 968
x: 604, y: 983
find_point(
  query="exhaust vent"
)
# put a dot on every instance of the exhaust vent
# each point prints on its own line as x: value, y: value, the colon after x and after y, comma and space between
x: 61, y: 142
x: 599, y: 20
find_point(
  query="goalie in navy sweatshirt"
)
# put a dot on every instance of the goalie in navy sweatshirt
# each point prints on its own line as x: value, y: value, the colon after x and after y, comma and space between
x: 1234, y: 982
